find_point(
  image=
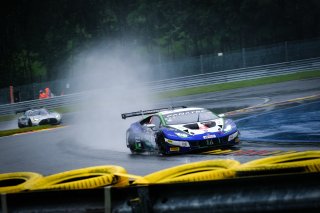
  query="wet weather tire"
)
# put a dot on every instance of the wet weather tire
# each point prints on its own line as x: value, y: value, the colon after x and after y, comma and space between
x: 129, y: 145
x: 29, y: 123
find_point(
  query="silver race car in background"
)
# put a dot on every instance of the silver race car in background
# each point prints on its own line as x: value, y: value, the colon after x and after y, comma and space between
x: 35, y: 117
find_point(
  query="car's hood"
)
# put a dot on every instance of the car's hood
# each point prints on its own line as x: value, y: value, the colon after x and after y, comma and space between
x: 50, y: 115
x: 54, y: 114
x: 201, y: 127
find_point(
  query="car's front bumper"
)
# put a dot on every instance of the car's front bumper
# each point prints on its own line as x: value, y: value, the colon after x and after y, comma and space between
x: 205, y: 144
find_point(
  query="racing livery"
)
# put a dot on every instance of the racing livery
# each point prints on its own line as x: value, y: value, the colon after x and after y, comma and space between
x: 179, y: 130
x: 35, y: 117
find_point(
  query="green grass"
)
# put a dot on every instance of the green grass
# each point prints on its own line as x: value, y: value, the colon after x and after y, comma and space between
x: 22, y: 130
x: 240, y: 84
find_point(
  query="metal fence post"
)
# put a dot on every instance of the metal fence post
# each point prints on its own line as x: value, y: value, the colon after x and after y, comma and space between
x: 11, y: 95
x: 107, y: 199
x: 244, y: 63
x: 286, y: 50
x: 4, y: 206
x: 201, y: 64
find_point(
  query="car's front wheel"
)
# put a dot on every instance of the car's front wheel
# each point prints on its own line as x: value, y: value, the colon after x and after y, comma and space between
x: 29, y: 123
x: 161, y: 144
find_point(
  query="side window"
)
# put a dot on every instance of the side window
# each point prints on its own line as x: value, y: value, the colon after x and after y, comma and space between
x: 155, y: 120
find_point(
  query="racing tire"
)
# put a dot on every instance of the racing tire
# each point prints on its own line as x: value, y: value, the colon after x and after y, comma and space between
x: 161, y: 144
x: 128, y: 139
x: 133, y: 151
x: 29, y: 123
x: 17, y: 181
x: 20, y: 125
x: 85, y: 178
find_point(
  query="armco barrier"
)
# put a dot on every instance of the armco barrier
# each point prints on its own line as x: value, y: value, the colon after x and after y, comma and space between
x: 181, y: 82
x: 236, y: 75
x: 49, y: 103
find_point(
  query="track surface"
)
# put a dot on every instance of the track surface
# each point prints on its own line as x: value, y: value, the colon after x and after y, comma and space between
x: 57, y: 150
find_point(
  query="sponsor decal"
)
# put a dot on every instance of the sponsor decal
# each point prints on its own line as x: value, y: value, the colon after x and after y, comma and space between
x: 209, y: 136
x: 183, y: 113
x: 174, y: 149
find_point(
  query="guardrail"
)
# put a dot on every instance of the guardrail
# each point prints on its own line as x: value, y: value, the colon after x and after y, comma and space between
x: 235, y: 75
x: 49, y: 103
x: 181, y: 82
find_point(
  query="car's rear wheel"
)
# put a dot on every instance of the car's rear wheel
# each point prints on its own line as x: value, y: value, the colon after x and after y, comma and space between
x: 129, y: 142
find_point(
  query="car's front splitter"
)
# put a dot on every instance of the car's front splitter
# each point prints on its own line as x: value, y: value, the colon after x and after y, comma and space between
x: 200, y: 146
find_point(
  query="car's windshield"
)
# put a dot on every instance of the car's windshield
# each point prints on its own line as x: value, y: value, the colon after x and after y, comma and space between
x: 38, y: 112
x: 189, y: 117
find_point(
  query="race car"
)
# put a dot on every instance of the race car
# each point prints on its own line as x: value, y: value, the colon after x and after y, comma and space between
x: 40, y: 116
x: 179, y: 130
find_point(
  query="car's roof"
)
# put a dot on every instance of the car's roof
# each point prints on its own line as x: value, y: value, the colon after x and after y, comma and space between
x: 166, y: 112
x: 34, y: 110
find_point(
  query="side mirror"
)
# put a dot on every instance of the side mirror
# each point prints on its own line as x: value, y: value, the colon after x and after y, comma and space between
x: 151, y: 126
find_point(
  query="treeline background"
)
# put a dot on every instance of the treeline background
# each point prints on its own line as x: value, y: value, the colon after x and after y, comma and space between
x: 39, y: 38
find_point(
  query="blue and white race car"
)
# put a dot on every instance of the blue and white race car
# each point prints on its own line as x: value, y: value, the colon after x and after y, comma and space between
x: 179, y: 130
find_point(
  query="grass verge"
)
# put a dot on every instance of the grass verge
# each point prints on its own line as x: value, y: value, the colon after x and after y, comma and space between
x: 241, y: 84
x: 23, y: 130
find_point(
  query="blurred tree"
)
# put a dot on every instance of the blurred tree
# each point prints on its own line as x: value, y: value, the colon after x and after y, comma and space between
x: 38, y: 37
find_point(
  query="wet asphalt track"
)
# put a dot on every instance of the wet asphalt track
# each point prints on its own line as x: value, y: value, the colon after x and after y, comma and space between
x: 53, y: 151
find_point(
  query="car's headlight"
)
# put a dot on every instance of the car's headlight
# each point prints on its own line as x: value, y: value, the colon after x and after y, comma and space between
x: 58, y: 116
x: 178, y: 143
x: 229, y: 125
x: 227, y: 128
x: 181, y: 134
x: 232, y: 136
x: 35, y: 119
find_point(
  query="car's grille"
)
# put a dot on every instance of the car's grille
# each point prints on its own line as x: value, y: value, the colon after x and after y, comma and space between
x: 209, y: 142
x: 48, y: 121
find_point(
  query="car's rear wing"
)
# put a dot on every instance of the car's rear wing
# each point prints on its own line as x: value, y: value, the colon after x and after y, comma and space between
x: 147, y: 112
